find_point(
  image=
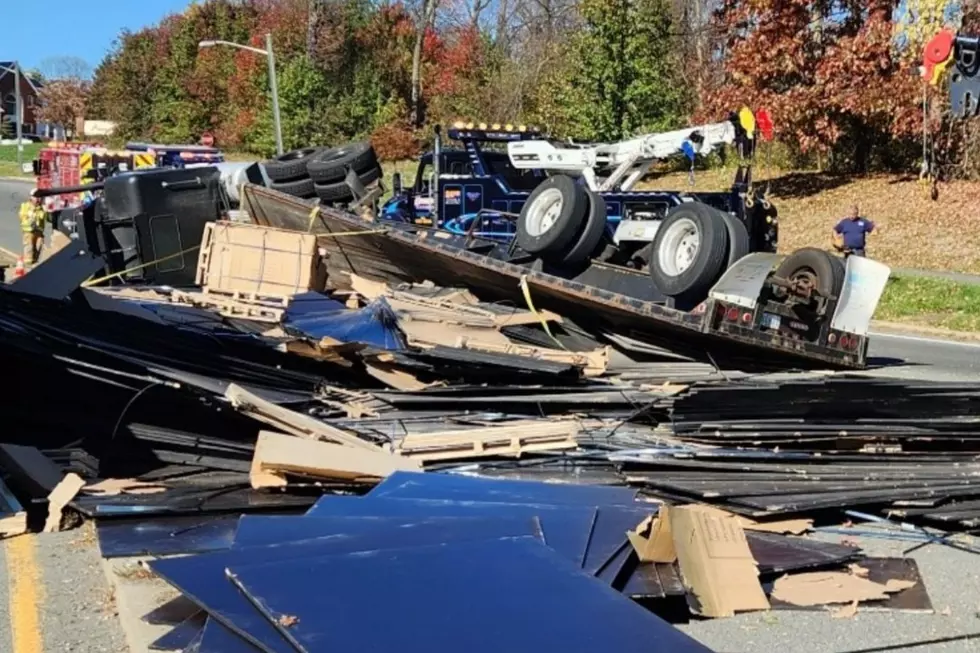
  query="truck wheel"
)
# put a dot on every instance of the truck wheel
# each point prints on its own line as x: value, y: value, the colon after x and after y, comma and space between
x: 591, y: 236
x: 298, y: 188
x: 690, y: 250
x: 814, y: 267
x: 738, y: 238
x: 291, y: 165
x: 551, y: 216
x: 340, y: 191
x: 330, y: 166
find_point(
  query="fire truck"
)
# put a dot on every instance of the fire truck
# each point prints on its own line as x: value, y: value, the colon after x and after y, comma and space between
x: 68, y: 165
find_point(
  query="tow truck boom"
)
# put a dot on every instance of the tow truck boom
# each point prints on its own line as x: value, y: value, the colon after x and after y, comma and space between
x: 629, y: 160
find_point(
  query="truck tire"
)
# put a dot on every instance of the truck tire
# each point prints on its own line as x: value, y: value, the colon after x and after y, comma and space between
x: 330, y: 166
x: 690, y: 250
x: 291, y: 165
x: 298, y: 188
x: 738, y: 239
x: 595, y: 225
x: 340, y: 191
x: 552, y: 216
x: 816, y: 266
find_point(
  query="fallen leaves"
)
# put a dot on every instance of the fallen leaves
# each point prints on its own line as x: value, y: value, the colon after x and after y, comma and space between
x: 912, y: 231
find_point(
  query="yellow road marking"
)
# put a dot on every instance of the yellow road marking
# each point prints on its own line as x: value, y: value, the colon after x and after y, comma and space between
x: 25, y: 594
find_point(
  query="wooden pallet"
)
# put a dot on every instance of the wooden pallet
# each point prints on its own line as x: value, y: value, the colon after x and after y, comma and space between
x: 230, y: 307
x: 257, y: 299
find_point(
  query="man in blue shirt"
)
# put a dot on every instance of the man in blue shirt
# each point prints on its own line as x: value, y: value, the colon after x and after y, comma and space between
x: 850, y: 233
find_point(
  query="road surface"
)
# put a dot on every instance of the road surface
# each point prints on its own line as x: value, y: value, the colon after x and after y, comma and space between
x: 12, y: 194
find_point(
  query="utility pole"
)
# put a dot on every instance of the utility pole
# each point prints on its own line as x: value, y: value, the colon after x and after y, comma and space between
x: 19, y: 117
x: 275, y: 92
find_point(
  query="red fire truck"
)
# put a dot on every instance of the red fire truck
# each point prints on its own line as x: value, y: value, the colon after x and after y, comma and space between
x: 66, y: 165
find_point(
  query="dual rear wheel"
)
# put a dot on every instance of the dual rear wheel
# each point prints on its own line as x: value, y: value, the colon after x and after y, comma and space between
x: 563, y: 223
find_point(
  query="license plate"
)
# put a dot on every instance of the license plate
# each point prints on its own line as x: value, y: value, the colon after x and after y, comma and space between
x: 771, y: 321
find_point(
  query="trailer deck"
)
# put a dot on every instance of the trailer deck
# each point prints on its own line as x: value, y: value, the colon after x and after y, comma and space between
x: 608, y: 298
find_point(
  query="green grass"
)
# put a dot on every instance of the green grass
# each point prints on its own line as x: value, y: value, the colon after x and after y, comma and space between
x: 931, y: 302
x: 8, y: 159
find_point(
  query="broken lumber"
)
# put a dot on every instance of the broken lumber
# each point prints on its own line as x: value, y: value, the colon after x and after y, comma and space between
x: 277, y: 454
x: 290, y: 421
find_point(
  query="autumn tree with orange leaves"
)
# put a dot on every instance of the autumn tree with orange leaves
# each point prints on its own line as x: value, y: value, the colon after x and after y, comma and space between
x: 830, y: 74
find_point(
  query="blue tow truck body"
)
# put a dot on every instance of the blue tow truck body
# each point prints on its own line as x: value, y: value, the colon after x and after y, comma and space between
x: 478, y: 192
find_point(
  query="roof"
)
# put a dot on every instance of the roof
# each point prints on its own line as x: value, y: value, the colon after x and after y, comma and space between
x: 5, y: 66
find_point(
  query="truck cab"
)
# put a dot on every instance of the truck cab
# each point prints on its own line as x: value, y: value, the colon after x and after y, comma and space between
x: 477, y: 190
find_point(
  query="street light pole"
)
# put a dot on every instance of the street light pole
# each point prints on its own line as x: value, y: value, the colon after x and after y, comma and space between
x: 273, y: 83
x: 17, y: 111
x: 275, y: 92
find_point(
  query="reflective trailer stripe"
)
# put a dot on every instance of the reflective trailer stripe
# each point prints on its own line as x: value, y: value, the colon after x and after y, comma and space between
x: 145, y: 161
x: 85, y: 162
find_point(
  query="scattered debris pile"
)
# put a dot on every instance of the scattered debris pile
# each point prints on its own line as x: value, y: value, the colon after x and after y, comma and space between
x: 172, y: 417
x: 515, y: 547
x: 787, y: 446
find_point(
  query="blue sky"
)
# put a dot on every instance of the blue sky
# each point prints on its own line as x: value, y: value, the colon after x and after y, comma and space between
x: 35, y: 31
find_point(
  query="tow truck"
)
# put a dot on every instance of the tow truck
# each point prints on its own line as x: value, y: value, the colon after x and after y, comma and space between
x: 572, y: 203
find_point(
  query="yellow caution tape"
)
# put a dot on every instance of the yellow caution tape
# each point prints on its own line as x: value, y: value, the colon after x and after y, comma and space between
x: 314, y: 212
x: 530, y: 306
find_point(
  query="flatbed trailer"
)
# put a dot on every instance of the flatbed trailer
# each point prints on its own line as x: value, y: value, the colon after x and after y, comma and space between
x: 742, y: 321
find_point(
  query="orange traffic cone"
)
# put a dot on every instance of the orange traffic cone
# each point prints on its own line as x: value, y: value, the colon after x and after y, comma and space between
x: 20, y: 270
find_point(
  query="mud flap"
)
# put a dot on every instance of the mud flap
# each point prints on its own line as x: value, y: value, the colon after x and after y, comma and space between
x: 864, y: 283
x: 742, y: 283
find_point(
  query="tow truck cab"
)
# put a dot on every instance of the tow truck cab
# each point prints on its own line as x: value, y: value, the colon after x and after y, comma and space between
x: 478, y: 191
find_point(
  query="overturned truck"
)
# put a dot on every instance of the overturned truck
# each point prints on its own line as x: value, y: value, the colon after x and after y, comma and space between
x: 810, y: 309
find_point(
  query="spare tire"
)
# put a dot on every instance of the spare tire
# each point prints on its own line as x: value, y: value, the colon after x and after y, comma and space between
x: 331, y: 165
x: 552, y: 215
x: 690, y: 250
x: 340, y: 191
x: 590, y: 237
x: 817, y: 267
x: 291, y: 165
x: 738, y: 238
x: 298, y: 188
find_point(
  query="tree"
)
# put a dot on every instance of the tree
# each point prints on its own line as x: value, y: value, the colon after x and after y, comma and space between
x: 65, y: 67
x: 63, y: 102
x: 830, y: 73
x: 623, y: 76
x: 426, y: 16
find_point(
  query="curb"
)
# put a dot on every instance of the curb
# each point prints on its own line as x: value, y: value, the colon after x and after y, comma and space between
x: 910, y: 329
x: 25, y: 180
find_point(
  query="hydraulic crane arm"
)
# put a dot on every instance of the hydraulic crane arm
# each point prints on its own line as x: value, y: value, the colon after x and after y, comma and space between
x: 630, y: 160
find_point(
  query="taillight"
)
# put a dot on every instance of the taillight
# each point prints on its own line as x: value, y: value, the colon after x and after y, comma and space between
x: 746, y: 317
x: 845, y: 342
x: 732, y: 314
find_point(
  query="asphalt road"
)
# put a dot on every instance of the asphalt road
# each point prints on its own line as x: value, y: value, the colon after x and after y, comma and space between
x: 12, y: 194
x: 914, y: 357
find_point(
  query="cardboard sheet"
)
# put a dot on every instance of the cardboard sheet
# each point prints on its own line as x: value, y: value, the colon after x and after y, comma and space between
x: 716, y: 564
x: 833, y: 587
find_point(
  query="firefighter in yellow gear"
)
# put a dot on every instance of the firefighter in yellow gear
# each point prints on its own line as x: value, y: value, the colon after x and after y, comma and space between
x: 32, y: 218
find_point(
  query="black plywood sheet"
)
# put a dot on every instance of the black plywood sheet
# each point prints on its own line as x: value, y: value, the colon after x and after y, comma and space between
x: 552, y: 607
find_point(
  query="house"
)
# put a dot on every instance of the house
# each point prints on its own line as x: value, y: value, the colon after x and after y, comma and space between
x: 29, y: 91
